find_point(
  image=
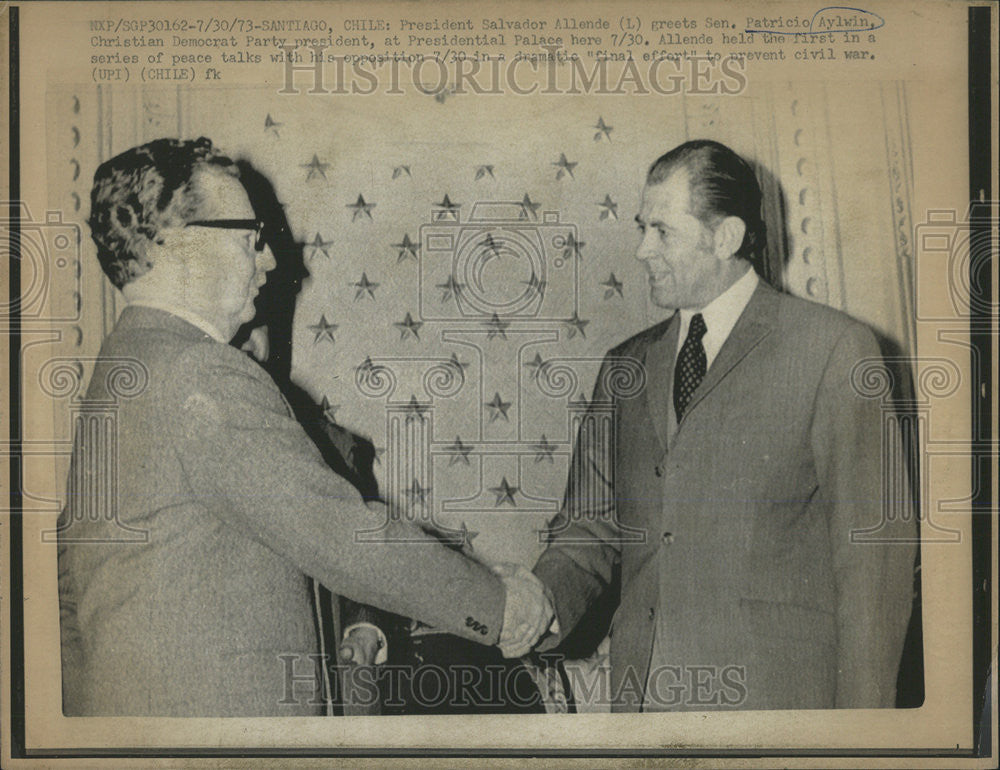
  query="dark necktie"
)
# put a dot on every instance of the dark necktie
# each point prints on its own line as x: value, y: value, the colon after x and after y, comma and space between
x: 691, y: 365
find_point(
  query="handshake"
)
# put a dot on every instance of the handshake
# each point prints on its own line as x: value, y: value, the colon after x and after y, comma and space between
x: 528, y: 613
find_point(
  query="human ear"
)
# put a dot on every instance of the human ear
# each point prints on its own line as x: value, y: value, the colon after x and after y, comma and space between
x: 729, y: 237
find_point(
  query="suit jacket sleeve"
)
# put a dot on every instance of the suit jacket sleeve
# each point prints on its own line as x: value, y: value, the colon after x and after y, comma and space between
x: 71, y: 641
x: 352, y: 457
x: 873, y: 533
x: 253, y: 466
x: 584, y: 539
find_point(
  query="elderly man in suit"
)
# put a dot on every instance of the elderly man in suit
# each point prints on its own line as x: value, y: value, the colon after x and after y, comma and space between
x: 760, y: 566
x: 209, y: 612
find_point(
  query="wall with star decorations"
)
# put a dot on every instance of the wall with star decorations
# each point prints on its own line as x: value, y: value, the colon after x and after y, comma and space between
x: 471, y: 258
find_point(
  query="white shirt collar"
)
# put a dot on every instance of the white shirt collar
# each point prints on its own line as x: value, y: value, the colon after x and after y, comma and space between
x: 720, y: 315
x: 195, y: 320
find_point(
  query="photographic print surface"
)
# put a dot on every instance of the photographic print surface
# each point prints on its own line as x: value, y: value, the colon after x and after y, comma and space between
x: 499, y: 378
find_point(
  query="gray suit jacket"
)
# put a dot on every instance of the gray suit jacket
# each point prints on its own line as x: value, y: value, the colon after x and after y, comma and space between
x: 210, y: 615
x: 745, y: 563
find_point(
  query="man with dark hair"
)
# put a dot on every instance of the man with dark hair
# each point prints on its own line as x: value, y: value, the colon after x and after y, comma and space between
x: 204, y: 610
x: 721, y: 184
x: 762, y: 566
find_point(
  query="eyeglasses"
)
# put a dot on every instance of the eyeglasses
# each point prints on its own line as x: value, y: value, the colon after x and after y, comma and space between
x: 257, y: 225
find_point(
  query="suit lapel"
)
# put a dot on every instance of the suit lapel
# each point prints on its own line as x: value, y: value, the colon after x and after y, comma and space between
x: 755, y: 323
x: 659, y: 362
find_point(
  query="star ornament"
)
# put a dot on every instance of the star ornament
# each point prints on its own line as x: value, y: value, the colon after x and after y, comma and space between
x: 399, y: 171
x: 270, y: 124
x: 572, y: 248
x: 576, y: 325
x: 407, y: 249
x: 564, y: 166
x: 580, y: 402
x: 414, y: 410
x: 498, y: 408
x: 614, y: 286
x: 505, y: 493
x: 603, y: 129
x: 450, y: 288
x: 529, y: 209
x: 323, y: 330
x: 543, y: 450
x: 484, y: 171
x: 364, y: 286
x: 360, y: 207
x: 535, y: 285
x: 316, y: 168
x: 417, y: 493
x: 458, y: 366
x: 609, y: 209
x: 329, y: 410
x: 366, y: 371
x: 408, y: 327
x: 467, y: 536
x: 536, y: 365
x: 459, y: 452
x: 496, y: 328
x: 319, y: 245
x: 490, y: 244
x: 447, y: 210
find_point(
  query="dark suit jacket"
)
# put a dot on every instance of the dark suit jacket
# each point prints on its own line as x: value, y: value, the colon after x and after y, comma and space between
x: 211, y: 615
x: 746, y: 515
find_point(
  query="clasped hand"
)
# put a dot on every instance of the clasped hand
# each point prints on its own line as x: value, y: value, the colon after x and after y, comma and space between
x: 361, y: 645
x: 527, y: 614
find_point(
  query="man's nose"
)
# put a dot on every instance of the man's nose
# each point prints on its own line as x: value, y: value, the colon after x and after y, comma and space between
x: 266, y: 260
x: 647, y: 247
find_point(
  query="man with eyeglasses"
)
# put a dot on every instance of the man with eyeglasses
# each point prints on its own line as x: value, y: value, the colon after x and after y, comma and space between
x: 230, y: 508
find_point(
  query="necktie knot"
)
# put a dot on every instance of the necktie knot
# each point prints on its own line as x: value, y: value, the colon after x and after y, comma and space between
x: 697, y: 328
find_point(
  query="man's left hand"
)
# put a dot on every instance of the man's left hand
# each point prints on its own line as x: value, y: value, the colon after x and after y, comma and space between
x: 361, y: 646
x: 527, y: 614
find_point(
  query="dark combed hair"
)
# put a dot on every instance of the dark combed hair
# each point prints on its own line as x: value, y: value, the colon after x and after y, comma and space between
x: 722, y: 184
x: 138, y: 192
